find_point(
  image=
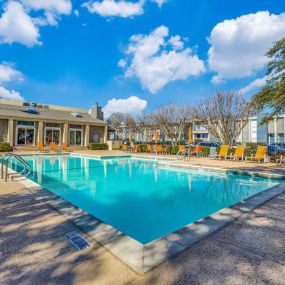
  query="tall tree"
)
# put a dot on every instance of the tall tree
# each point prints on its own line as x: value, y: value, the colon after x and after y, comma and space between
x: 173, y: 120
x: 224, y: 115
x: 272, y: 95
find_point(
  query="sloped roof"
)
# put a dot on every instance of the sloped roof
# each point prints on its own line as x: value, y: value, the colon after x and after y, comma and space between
x: 20, y: 112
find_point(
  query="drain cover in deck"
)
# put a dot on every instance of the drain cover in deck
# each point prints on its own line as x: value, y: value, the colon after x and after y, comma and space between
x: 77, y: 240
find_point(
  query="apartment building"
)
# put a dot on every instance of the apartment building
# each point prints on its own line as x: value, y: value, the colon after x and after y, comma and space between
x: 273, y: 132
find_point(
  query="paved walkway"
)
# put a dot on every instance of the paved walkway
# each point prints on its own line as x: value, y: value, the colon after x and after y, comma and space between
x: 250, y: 250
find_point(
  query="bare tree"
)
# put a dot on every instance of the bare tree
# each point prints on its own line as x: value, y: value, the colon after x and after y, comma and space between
x: 173, y: 120
x: 224, y: 115
x: 122, y: 123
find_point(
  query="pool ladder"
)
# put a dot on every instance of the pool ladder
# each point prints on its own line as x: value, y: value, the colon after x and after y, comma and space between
x: 4, y: 166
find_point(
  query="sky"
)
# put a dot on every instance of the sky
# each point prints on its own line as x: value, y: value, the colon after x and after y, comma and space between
x: 134, y: 55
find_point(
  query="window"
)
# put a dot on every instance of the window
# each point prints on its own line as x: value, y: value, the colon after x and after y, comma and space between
x: 253, y: 130
x: 271, y: 138
x: 75, y: 135
x: 280, y: 138
x: 25, y: 133
x: 52, y: 133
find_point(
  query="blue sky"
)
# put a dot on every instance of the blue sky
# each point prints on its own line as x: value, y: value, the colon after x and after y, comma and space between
x: 76, y: 53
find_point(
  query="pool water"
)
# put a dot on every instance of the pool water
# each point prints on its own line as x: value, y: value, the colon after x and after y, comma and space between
x: 141, y: 198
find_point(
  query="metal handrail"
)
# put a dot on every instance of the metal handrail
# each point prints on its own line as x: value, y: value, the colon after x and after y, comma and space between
x: 6, y: 157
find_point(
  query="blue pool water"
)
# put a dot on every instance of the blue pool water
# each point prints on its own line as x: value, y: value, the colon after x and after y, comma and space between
x: 141, y: 198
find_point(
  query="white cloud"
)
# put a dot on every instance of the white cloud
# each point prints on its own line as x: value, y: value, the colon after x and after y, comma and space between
x: 159, y: 2
x: 8, y: 73
x: 10, y: 94
x: 255, y: 84
x: 52, y: 8
x: 17, y: 26
x: 176, y: 42
x: 112, y: 8
x: 238, y: 46
x: 76, y: 13
x: 122, y: 63
x: 132, y: 105
x: 154, y: 60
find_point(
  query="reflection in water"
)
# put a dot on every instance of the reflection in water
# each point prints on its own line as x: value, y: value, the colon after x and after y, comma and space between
x: 39, y: 164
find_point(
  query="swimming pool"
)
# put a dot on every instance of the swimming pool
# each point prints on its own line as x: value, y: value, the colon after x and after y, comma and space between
x: 141, y: 198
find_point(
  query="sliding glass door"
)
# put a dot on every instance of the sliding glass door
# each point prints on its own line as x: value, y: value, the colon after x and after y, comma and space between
x: 75, y: 135
x: 52, y: 133
x: 25, y: 133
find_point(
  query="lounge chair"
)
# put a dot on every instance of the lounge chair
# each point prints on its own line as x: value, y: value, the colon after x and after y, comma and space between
x: 159, y: 149
x: 40, y: 147
x: 198, y: 150
x: 64, y: 147
x: 223, y: 153
x: 166, y: 150
x: 238, y: 154
x: 137, y: 148
x: 53, y: 147
x: 260, y: 155
x: 182, y: 152
x: 149, y: 148
x: 181, y: 149
x: 124, y: 147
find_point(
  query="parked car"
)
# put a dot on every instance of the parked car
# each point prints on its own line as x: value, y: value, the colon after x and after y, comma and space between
x: 210, y: 144
x: 275, y: 147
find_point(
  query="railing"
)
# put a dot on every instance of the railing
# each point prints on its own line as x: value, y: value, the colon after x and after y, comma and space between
x: 5, y: 161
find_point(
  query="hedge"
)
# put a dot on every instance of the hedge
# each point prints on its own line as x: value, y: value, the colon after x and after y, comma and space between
x: 98, y: 146
x: 4, y: 146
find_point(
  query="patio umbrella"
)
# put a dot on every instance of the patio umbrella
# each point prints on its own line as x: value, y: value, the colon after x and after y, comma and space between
x: 156, y: 136
x: 131, y: 136
x: 190, y: 135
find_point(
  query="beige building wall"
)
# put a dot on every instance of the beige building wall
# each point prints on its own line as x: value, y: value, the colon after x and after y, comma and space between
x: 3, y: 130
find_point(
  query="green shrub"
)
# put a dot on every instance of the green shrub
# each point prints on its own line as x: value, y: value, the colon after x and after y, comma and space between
x: 4, y: 146
x: 174, y: 149
x: 98, y: 146
x: 143, y: 147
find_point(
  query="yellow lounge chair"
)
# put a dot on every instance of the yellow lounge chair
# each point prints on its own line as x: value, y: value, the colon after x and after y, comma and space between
x: 181, y: 151
x: 259, y: 155
x: 181, y: 148
x: 124, y: 147
x: 223, y: 153
x: 239, y: 153
x: 159, y: 148
x: 149, y: 148
x: 137, y: 148
x: 40, y: 147
x: 198, y: 150
x: 166, y: 149
x: 64, y: 147
x: 53, y: 147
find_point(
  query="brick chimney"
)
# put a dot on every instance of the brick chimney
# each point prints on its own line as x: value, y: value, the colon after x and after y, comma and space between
x: 97, y: 112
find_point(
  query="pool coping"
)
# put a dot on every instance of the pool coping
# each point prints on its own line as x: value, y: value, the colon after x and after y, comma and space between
x: 143, y: 257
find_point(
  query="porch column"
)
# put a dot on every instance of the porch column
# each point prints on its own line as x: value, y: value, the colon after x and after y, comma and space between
x: 87, y: 131
x: 275, y: 130
x: 105, y: 134
x: 10, y: 136
x: 40, y: 132
x: 65, y: 133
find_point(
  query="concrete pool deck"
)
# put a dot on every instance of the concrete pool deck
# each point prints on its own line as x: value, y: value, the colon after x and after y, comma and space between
x: 247, y: 250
